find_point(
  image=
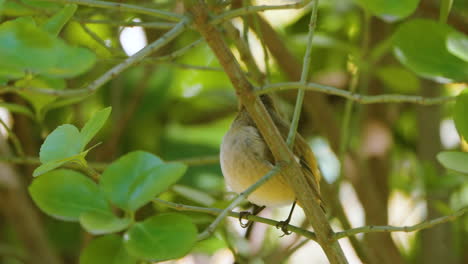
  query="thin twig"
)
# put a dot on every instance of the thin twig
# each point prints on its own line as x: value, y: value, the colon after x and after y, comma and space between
x: 174, y: 55
x: 250, y: 217
x: 130, y: 61
x: 98, y: 39
x: 240, y: 198
x: 304, y: 77
x: 255, y: 9
x: 14, y: 139
x: 420, y: 226
x: 124, y: 7
x: 245, y: 53
x: 362, y: 99
x: 100, y: 166
x: 158, y: 25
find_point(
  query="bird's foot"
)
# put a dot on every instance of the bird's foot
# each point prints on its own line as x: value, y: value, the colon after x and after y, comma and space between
x: 245, y: 215
x: 283, y: 225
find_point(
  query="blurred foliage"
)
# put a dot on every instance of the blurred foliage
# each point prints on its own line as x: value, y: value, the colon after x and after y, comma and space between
x: 177, y: 109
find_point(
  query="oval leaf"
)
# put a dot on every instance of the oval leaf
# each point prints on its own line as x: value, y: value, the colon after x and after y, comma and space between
x: 162, y: 237
x: 460, y: 114
x: 66, y: 194
x: 454, y: 160
x: 420, y: 45
x: 457, y: 44
x: 21, y: 40
x: 100, y: 222
x: 94, y: 124
x: 54, y: 24
x: 122, y: 177
x: 107, y: 249
x: 390, y: 10
x: 153, y: 182
x: 64, y: 142
x: 398, y: 79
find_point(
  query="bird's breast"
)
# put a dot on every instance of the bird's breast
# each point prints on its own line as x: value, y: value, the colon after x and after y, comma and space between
x: 243, y: 162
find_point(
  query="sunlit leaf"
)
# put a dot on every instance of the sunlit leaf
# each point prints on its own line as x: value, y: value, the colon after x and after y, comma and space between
x: 398, y: 79
x: 390, y: 10
x: 53, y: 164
x: 106, y: 249
x: 65, y: 141
x: 101, y: 222
x: 26, y: 48
x: 460, y: 114
x: 66, y: 194
x: 94, y: 124
x: 162, y: 237
x: 129, y: 180
x: 420, y: 45
x: 454, y: 160
x: 457, y: 44
x: 37, y: 99
x: 54, y: 24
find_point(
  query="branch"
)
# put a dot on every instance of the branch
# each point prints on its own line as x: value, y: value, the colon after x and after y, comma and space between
x: 124, y: 7
x: 240, y: 198
x: 14, y: 139
x: 255, y: 9
x: 112, y: 73
x: 100, y: 166
x: 250, y: 217
x: 304, y: 77
x: 362, y: 99
x: 158, y: 25
x: 291, y: 173
x: 420, y: 226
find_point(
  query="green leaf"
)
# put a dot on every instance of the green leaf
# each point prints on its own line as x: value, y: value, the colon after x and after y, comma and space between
x: 460, y: 114
x: 100, y: 222
x: 153, y: 182
x: 162, y: 237
x: 26, y: 48
x: 64, y: 142
x: 398, y: 79
x: 123, y: 180
x: 19, y: 109
x: 454, y: 160
x: 51, y: 165
x: 457, y: 44
x: 106, y: 249
x: 54, y: 24
x: 66, y: 194
x: 38, y: 100
x: 94, y: 125
x: 390, y: 10
x: 420, y: 45
x: 445, y: 6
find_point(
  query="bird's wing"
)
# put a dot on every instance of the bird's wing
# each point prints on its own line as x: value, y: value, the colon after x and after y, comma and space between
x: 303, y: 153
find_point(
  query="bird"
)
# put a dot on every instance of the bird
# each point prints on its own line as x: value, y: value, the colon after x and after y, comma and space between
x: 245, y: 157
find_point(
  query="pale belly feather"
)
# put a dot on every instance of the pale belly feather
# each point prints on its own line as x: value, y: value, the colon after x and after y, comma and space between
x: 243, y: 165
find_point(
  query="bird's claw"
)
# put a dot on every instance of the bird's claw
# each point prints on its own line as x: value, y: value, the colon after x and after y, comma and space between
x: 244, y: 215
x: 283, y: 225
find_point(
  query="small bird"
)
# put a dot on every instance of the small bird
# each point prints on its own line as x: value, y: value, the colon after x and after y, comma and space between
x: 245, y: 158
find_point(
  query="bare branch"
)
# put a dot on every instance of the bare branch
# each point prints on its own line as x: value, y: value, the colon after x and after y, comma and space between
x: 250, y: 217
x: 420, y: 226
x: 362, y: 99
x: 124, y: 7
